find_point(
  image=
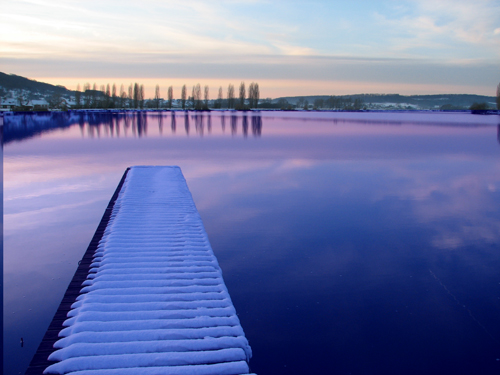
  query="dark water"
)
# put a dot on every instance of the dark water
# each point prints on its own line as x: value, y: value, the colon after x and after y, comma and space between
x: 350, y: 243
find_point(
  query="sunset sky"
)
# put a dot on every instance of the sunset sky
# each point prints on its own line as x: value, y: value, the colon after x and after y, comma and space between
x: 288, y: 47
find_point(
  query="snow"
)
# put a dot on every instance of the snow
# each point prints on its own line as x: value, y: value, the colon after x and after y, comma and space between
x: 154, y: 301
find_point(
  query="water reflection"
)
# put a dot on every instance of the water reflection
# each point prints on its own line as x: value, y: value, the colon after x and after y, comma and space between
x: 94, y: 124
x: 234, y: 124
x: 173, y: 125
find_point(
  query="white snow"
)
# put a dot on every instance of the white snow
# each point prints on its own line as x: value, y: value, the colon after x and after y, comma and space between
x: 154, y: 301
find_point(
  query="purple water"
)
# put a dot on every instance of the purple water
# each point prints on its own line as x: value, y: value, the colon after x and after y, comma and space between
x: 351, y: 243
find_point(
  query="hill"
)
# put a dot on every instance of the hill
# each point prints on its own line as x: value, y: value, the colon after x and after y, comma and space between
x: 396, y: 101
x: 10, y: 82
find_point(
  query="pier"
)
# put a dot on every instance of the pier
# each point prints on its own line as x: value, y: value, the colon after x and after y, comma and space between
x: 148, y: 296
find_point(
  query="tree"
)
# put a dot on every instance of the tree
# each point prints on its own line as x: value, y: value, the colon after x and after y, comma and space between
x: 87, y: 98
x: 136, y: 95
x: 157, y: 96
x: 22, y: 99
x: 219, y: 98
x: 230, y: 96
x: 78, y: 96
x: 123, y: 96
x: 358, y: 104
x: 205, y: 96
x: 256, y: 95
x: 113, y: 96
x: 107, y: 96
x: 170, y: 96
x: 498, y: 97
x: 319, y: 103
x: 193, y: 104
x: 183, y: 97
x: 55, y: 100
x: 141, y: 96
x: 131, y: 96
x: 479, y: 106
x: 94, y: 96
x: 242, y: 94
x: 197, y: 96
x: 253, y: 95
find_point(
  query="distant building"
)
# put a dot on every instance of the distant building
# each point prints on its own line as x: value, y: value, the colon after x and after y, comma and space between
x: 7, y: 104
x: 38, y: 104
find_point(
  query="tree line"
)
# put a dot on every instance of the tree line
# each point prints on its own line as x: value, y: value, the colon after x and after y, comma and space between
x: 107, y: 97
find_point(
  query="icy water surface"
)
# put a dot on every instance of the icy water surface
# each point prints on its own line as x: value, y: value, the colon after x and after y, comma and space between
x: 351, y: 243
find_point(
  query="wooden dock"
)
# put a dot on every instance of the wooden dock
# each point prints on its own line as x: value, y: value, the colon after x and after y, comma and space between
x: 148, y: 296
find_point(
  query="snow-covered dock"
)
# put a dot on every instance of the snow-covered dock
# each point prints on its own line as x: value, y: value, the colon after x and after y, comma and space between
x: 153, y: 301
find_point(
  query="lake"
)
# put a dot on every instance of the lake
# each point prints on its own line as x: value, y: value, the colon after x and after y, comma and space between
x: 350, y: 243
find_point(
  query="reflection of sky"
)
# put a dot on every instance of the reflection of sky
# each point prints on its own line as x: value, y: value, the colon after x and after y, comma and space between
x: 328, y: 237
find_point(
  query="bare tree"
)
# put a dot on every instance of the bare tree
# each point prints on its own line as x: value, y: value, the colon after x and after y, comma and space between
x: 141, y: 96
x: 131, y: 96
x: 136, y: 95
x: 94, y: 96
x: 253, y: 95
x: 183, y: 97
x: 193, y: 104
x: 107, y: 96
x: 230, y: 96
x: 205, y: 96
x: 256, y: 95
x: 220, y: 98
x: 113, y: 96
x: 123, y: 96
x: 87, y: 95
x: 103, y: 98
x: 157, y: 96
x: 197, y: 96
x: 170, y: 96
x: 242, y: 94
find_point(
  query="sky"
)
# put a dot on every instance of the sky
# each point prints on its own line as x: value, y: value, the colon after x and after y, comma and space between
x: 290, y: 48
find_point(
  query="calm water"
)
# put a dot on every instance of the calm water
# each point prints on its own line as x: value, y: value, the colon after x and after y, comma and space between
x: 351, y: 243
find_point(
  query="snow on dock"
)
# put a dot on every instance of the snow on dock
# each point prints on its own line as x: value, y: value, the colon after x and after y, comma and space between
x: 154, y: 301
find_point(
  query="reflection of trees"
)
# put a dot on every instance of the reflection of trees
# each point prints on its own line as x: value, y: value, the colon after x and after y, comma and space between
x: 142, y: 123
x: 186, y: 122
x: 28, y: 125
x: 172, y: 123
x: 160, y: 124
x: 223, y: 122
x: 245, y: 125
x: 198, y: 123
x: 234, y: 123
x: 257, y: 125
x: 114, y: 124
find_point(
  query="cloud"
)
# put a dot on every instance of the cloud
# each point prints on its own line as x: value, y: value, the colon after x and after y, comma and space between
x: 448, y: 28
x: 410, y: 42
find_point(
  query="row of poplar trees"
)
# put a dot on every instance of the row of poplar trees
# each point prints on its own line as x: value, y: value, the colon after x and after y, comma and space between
x: 107, y: 97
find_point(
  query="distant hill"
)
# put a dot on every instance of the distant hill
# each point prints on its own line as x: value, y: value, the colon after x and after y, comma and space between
x: 445, y: 101
x: 13, y: 82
